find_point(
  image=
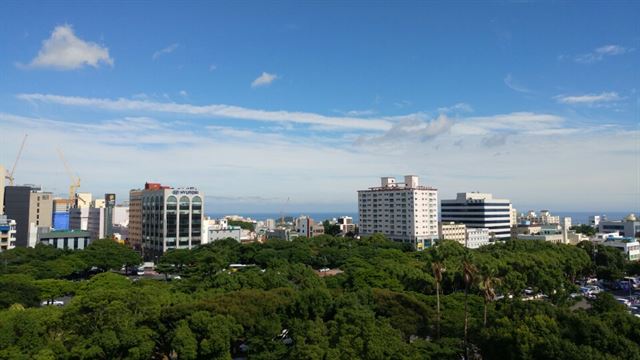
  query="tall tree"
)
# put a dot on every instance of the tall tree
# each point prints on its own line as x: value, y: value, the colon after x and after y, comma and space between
x: 468, y: 273
x: 437, y: 268
x: 487, y: 284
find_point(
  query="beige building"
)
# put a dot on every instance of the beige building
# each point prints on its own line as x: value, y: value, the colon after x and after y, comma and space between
x: 32, y: 209
x: 83, y: 199
x: 452, y: 231
x: 404, y: 212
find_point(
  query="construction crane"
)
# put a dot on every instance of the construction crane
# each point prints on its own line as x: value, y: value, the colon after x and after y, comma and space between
x: 75, y: 180
x: 9, y: 175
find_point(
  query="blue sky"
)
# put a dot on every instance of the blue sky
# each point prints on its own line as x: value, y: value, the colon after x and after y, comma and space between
x: 258, y: 102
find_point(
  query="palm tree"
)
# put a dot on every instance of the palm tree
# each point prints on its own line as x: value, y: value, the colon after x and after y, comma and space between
x: 438, y: 268
x: 469, y: 272
x: 488, y: 281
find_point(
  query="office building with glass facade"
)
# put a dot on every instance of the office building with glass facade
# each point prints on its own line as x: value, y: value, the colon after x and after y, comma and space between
x: 171, y: 219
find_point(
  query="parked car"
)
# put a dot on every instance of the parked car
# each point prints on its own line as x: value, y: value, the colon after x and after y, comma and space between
x: 54, y: 303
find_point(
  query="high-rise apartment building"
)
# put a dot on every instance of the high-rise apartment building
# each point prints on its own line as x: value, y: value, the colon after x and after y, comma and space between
x: 404, y: 212
x: 479, y: 210
x: 32, y: 210
x: 171, y: 219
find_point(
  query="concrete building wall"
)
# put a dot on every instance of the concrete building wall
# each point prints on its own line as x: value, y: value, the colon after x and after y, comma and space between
x: 120, y: 215
x: 452, y: 231
x: 477, y: 237
x: 31, y: 209
x: 79, y: 218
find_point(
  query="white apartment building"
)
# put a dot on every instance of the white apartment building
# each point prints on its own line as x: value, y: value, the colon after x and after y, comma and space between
x: 7, y: 232
x: 479, y: 210
x: 346, y: 225
x: 594, y: 221
x: 219, y: 229
x: 476, y: 237
x: 404, y: 212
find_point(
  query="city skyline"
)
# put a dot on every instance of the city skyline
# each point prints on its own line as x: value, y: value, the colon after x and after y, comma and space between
x: 255, y: 104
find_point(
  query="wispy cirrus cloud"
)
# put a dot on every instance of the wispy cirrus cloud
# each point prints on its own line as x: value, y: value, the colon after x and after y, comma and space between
x: 167, y: 50
x: 215, y: 111
x: 264, y: 79
x: 600, y: 53
x: 514, y: 85
x: 456, y: 108
x: 65, y: 51
x: 589, y: 99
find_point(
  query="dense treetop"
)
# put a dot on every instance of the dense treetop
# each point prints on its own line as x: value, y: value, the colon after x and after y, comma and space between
x: 388, y: 303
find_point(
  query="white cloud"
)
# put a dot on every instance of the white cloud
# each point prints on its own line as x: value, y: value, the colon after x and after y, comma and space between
x: 264, y: 79
x: 65, y: 51
x: 216, y: 111
x: 168, y: 50
x: 456, y: 108
x: 588, y: 99
x: 602, y: 52
x: 213, y: 67
x: 305, y: 166
x: 357, y: 113
x: 184, y: 93
x: 514, y: 85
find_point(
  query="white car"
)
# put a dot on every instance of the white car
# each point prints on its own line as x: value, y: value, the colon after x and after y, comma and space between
x: 54, y: 303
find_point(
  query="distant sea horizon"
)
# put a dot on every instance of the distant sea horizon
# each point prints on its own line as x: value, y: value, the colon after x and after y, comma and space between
x: 577, y: 217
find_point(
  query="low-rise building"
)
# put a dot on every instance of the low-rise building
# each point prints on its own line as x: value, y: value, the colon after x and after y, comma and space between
x: 307, y: 227
x: 450, y: 230
x: 66, y: 239
x: 628, y: 245
x: 282, y: 233
x: 476, y: 237
x: 219, y: 229
x: 7, y: 233
x: 346, y: 225
x: 629, y: 227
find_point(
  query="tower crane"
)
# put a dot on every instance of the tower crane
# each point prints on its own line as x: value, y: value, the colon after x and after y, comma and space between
x: 75, y: 180
x: 9, y: 175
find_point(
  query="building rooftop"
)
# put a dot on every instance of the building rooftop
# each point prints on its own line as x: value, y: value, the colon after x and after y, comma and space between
x: 65, y: 233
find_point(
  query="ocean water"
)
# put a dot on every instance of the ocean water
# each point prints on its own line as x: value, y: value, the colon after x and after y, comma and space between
x: 318, y: 216
x: 577, y: 217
